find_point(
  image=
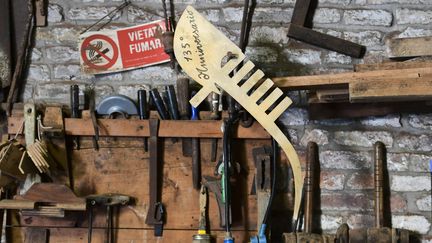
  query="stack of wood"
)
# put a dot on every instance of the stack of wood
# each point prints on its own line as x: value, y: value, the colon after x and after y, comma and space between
x: 372, y: 89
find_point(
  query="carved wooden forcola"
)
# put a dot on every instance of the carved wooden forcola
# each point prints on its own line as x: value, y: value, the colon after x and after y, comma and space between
x: 201, y: 50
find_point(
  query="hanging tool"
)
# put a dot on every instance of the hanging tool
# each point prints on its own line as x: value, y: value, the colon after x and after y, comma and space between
x: 379, y: 159
x: 215, y: 186
x: 297, y: 29
x: 215, y: 115
x: 143, y: 111
x: 158, y: 102
x: 312, y: 161
x: 161, y: 107
x: 74, y: 103
x: 202, y: 236
x: 184, y: 110
x: 168, y: 35
x: 21, y: 20
x: 172, y: 102
x: 196, y: 155
x: 262, y: 186
x: 262, y: 156
x: 226, y: 186
x: 246, y: 120
x: 90, y: 96
x: 114, y: 105
x: 156, y: 212
x: 109, y: 15
x: 110, y: 201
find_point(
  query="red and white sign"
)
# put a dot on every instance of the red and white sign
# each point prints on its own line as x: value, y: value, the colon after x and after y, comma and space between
x: 123, y: 49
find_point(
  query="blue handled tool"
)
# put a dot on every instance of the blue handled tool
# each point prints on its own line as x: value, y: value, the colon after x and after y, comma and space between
x: 196, y: 156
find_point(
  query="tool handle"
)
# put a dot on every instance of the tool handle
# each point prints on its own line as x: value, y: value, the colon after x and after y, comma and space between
x: 172, y: 102
x: 183, y: 98
x: 195, y: 113
x: 75, y: 101
x: 196, y: 155
x: 142, y: 104
x: 158, y: 102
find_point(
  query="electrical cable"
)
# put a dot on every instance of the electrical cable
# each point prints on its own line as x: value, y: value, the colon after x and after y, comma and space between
x: 226, y: 161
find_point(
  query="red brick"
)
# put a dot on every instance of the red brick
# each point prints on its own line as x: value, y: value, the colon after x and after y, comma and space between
x: 398, y: 203
x: 361, y: 180
x: 343, y: 202
x: 332, y: 180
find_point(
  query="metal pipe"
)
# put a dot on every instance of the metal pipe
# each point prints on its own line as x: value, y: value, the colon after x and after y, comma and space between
x: 311, y: 161
x: 379, y: 157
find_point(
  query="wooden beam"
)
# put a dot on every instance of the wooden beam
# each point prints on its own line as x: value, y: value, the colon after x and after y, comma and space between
x: 300, y: 12
x: 325, y: 41
x: 140, y: 128
x: 409, y: 47
x: 392, y: 66
x: 332, y: 95
x: 391, y: 90
x: 319, y: 111
x: 343, y: 79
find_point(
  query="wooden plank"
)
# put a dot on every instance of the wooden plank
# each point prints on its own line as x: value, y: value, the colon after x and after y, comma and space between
x: 77, y: 235
x: 325, y: 41
x: 409, y: 47
x: 139, y: 128
x: 392, y: 66
x: 320, y: 111
x: 51, y: 193
x: 343, y: 79
x: 332, y: 95
x: 392, y: 90
x: 16, y: 204
x: 36, y: 235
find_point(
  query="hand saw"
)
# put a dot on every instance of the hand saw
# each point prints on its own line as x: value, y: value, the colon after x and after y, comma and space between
x: 201, y: 50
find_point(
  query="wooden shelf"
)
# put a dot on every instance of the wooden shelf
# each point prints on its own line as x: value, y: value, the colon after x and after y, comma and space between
x: 140, y: 128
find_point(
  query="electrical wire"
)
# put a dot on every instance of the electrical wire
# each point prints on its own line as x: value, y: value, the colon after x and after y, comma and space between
x: 109, y: 15
x: 226, y: 161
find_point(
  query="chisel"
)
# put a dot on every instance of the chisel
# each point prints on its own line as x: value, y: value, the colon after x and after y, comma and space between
x: 158, y: 102
x: 184, y: 110
x: 143, y: 111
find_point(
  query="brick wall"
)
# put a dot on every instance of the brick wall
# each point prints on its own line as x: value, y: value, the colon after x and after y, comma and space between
x: 345, y: 145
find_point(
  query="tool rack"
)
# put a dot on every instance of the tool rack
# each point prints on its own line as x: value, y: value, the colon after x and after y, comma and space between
x: 121, y: 166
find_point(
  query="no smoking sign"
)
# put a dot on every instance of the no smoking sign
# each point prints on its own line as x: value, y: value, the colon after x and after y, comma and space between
x: 122, y: 49
x: 99, y: 52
